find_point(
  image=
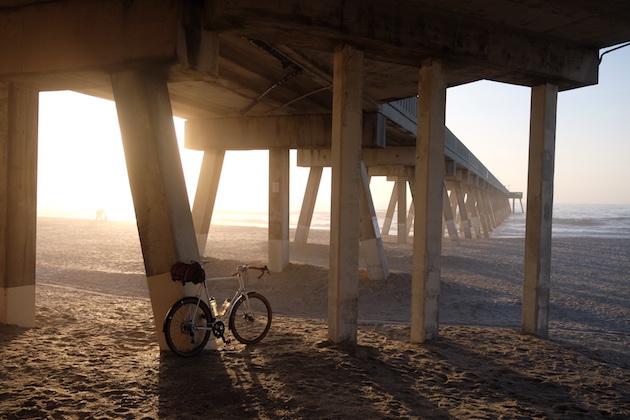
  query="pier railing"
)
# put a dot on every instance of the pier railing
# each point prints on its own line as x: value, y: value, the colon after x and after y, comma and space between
x: 404, y: 112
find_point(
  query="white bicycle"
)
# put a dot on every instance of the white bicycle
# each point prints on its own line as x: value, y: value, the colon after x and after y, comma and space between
x: 190, y: 320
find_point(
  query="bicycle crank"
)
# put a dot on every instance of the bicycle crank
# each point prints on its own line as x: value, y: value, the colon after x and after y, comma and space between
x: 218, y: 329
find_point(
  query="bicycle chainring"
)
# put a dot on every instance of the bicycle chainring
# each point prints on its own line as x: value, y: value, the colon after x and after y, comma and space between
x: 218, y: 329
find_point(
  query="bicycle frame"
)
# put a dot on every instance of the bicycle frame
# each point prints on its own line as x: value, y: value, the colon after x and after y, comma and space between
x: 242, y: 276
x: 189, y: 322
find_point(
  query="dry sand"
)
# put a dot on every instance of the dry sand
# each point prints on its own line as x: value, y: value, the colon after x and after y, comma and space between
x: 94, y: 352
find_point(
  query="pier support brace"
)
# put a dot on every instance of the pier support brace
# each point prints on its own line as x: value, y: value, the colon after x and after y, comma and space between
x: 347, y: 114
x: 464, y: 216
x: 429, y: 177
x: 542, y: 144
x: 449, y: 215
x: 482, y: 212
x: 471, y: 204
x: 371, y: 240
x: 389, y: 215
x: 206, y: 195
x: 308, y: 205
x: 401, y: 192
x: 18, y: 203
x: 156, y: 178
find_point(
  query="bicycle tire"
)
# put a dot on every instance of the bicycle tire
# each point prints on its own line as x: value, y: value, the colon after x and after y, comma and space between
x: 249, y: 327
x: 181, y: 336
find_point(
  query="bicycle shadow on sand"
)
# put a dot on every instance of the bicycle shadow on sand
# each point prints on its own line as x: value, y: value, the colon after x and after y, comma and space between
x: 294, y: 373
x: 191, y: 387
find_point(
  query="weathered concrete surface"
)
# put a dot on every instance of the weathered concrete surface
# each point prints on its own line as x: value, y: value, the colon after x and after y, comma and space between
x: 215, y: 70
x: 537, y: 267
x: 343, y: 274
x: 18, y: 203
x: 157, y: 184
x: 427, y: 195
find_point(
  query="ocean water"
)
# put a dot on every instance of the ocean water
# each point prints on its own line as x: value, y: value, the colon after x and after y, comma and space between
x: 569, y: 220
x: 575, y: 220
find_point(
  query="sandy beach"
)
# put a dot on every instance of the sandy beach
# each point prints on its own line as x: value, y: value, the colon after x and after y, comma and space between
x: 94, y: 352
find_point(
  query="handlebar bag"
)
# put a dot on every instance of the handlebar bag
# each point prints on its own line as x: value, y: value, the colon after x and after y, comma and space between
x: 188, y: 272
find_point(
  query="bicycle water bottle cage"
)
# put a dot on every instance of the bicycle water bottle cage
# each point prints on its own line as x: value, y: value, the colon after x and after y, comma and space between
x: 188, y: 272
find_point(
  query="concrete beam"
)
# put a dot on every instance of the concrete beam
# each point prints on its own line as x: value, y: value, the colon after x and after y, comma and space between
x: 43, y: 41
x: 292, y: 132
x: 537, y: 268
x: 156, y: 178
x: 373, y: 158
x: 18, y: 203
x: 343, y: 283
x: 409, y: 33
x: 429, y: 178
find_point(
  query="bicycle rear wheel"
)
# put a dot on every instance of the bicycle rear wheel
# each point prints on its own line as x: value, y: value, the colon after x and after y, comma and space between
x: 187, y: 326
x: 250, y: 319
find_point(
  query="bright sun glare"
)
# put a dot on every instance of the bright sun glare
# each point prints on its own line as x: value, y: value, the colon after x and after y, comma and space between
x: 82, y: 166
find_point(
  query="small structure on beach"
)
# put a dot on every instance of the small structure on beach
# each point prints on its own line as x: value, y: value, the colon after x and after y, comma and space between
x: 318, y: 73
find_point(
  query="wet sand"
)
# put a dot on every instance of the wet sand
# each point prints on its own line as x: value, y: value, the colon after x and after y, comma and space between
x: 94, y: 352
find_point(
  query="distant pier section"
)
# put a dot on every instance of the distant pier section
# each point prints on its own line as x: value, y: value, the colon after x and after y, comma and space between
x: 475, y: 201
x: 516, y: 196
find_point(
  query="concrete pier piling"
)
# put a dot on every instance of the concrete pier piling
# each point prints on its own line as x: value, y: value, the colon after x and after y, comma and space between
x: 335, y: 83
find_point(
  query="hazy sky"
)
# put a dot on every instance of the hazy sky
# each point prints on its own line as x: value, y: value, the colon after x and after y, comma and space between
x: 592, y: 137
x: 81, y: 161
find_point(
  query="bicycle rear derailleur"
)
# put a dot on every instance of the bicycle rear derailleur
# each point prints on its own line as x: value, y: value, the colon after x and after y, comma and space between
x: 218, y: 329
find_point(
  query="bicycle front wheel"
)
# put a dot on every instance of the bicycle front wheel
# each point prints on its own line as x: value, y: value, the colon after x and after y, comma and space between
x: 250, y: 319
x: 187, y: 326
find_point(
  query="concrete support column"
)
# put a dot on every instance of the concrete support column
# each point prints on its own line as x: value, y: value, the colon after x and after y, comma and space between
x: 496, y: 208
x: 452, y: 197
x: 278, y: 209
x: 165, y: 224
x: 506, y: 208
x: 18, y: 203
x: 471, y: 204
x: 429, y: 177
x: 206, y: 195
x: 401, y: 190
x: 542, y: 144
x: 347, y: 121
x: 487, y: 210
x: 483, y: 213
x: 308, y: 205
x: 371, y: 241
